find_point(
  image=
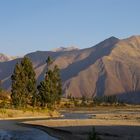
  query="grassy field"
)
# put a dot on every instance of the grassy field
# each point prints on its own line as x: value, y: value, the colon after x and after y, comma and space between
x: 27, y: 113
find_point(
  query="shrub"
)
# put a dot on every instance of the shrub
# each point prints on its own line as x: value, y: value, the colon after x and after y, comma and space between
x: 105, y: 99
x: 93, y: 135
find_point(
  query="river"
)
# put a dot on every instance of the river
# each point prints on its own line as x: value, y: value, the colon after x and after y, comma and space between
x: 10, y: 130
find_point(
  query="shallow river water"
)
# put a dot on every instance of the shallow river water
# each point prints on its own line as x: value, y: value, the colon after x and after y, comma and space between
x: 33, y: 134
x: 11, y: 130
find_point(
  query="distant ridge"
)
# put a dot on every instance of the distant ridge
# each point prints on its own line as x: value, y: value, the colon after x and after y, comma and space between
x: 4, y: 58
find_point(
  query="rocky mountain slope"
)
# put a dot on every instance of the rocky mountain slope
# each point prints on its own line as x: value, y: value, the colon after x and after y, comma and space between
x: 4, y: 58
x: 111, y: 67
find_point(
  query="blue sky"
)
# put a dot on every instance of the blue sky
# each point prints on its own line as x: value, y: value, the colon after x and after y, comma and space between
x: 30, y: 25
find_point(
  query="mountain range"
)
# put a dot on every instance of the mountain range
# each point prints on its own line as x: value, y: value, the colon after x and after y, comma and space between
x: 112, y: 67
x: 4, y: 58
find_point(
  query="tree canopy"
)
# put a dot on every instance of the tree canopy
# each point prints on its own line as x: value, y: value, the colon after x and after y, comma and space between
x: 23, y: 84
x: 50, y: 89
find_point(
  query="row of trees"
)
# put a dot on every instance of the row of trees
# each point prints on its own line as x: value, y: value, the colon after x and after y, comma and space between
x: 106, y: 99
x: 25, y: 90
x: 89, y: 102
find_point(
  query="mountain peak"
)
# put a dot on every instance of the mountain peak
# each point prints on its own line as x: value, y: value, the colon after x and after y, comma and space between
x: 4, y: 57
x: 112, y: 38
x: 108, y: 42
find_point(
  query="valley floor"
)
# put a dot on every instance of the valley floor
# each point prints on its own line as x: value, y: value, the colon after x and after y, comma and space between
x: 111, y: 123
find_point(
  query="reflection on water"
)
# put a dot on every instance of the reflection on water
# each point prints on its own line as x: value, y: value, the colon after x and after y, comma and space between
x: 32, y: 134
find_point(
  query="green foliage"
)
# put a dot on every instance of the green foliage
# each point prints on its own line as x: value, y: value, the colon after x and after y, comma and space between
x: 1, y: 89
x: 49, y: 61
x: 50, y: 89
x: 1, y: 86
x: 84, y: 100
x: 23, y: 84
x: 57, y: 83
x: 105, y: 99
x: 4, y: 99
x: 4, y: 104
x: 76, y: 102
x: 69, y: 96
x: 44, y: 91
x: 93, y: 135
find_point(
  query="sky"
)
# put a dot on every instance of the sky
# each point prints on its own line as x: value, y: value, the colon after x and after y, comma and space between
x: 32, y: 25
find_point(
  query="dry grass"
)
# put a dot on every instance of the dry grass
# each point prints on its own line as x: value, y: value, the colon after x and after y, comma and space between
x: 14, y: 113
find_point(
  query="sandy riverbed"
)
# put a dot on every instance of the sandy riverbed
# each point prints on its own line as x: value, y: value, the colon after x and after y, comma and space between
x: 109, y: 125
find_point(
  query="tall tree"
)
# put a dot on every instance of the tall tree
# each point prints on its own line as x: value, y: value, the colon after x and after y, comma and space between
x: 50, y: 89
x: 23, y: 84
x: 57, y: 83
x: 30, y: 81
x: 44, y: 92
x: 49, y: 61
x: 17, y: 90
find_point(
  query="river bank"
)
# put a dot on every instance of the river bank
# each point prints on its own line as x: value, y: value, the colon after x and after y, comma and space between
x: 112, y: 124
x: 11, y: 130
x: 79, y: 129
x: 120, y: 123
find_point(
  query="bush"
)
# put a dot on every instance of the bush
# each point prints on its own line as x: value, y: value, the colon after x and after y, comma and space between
x: 93, y: 135
x: 4, y: 95
x: 105, y: 99
x: 1, y: 89
x: 4, y: 99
